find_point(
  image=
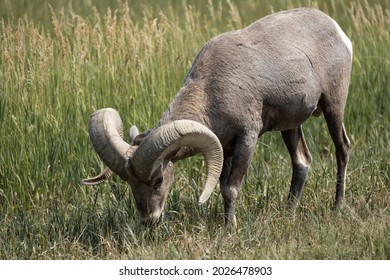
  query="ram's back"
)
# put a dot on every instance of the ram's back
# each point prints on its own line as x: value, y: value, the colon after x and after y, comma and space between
x: 271, y: 74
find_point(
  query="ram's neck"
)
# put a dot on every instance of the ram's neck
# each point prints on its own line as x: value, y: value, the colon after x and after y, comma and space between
x: 189, y: 104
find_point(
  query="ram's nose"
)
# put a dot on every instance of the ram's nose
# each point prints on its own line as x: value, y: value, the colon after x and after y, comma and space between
x: 151, y: 219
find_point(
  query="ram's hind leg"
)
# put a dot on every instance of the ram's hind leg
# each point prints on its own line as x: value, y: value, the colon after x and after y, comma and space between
x: 332, y: 104
x: 300, y: 159
x: 342, y: 145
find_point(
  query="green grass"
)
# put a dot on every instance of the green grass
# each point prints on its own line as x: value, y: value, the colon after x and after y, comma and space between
x: 60, y: 62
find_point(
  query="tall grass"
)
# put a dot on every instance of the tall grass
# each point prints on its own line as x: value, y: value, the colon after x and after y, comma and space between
x: 61, y: 62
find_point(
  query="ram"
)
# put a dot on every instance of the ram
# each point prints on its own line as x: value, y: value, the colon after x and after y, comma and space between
x: 270, y: 76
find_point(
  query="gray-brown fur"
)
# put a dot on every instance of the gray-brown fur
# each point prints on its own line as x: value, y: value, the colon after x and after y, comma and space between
x: 270, y: 76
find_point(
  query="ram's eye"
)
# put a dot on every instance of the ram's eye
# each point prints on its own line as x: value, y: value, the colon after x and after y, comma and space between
x: 157, y: 183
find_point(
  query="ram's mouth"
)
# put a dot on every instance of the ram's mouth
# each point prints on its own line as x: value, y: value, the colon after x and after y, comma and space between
x: 151, y: 220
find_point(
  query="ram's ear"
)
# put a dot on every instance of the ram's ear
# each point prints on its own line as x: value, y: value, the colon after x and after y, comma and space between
x: 138, y: 138
x: 133, y: 133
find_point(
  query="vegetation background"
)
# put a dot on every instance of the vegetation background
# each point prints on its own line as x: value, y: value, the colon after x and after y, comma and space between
x: 61, y: 60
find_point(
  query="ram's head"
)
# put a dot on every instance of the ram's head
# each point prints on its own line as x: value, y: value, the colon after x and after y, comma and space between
x: 146, y: 164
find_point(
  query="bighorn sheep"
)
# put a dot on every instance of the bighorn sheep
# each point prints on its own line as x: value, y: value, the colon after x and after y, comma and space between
x: 270, y: 76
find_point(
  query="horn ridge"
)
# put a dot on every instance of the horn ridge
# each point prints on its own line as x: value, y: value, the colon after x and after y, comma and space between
x: 106, y: 132
x: 167, y: 138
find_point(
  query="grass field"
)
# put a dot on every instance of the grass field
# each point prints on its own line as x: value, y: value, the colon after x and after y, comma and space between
x: 62, y: 60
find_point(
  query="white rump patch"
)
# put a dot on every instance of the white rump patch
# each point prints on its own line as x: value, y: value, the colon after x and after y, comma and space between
x: 344, y: 37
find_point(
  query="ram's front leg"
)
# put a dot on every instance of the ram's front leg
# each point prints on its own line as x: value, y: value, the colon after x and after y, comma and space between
x: 233, y: 172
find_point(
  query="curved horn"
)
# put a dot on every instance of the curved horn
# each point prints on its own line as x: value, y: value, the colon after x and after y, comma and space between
x: 105, y: 131
x: 168, y: 138
x: 104, y: 175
